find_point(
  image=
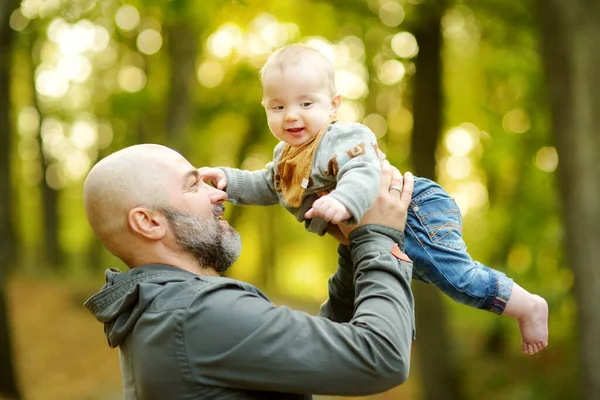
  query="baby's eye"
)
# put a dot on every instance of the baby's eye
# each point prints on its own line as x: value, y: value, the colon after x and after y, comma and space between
x: 306, y: 104
x: 277, y: 108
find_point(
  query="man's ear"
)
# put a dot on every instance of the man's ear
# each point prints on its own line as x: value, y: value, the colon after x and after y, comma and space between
x: 147, y: 223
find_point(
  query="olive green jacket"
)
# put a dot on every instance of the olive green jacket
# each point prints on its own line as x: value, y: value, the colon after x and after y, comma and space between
x: 184, y: 336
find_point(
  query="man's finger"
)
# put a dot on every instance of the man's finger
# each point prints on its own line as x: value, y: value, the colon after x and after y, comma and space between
x: 396, y: 183
x: 407, y: 189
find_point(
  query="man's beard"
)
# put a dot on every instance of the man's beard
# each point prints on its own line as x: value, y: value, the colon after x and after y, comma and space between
x: 211, y: 244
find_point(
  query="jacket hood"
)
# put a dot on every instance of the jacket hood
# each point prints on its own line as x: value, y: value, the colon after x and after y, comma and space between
x: 126, y: 295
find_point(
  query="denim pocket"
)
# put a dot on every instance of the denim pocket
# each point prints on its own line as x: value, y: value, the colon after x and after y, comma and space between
x: 440, y: 217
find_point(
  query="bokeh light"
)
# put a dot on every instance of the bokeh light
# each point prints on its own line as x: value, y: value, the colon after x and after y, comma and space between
x: 210, y: 73
x: 391, y: 14
x: 391, y: 72
x: 149, y: 41
x: 516, y: 121
x: 546, y: 159
x: 131, y: 79
x: 404, y: 44
x: 127, y: 17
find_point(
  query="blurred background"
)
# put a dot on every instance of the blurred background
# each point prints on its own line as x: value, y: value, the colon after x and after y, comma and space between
x: 496, y: 100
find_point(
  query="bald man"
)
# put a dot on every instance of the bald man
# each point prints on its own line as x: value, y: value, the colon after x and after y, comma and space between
x: 186, y: 332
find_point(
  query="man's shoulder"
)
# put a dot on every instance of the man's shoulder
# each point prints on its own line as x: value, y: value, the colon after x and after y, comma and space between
x: 203, y: 289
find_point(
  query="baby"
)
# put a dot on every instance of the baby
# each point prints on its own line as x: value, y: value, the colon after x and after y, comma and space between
x: 326, y: 172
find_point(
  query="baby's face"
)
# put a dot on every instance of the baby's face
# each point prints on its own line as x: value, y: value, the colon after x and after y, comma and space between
x: 298, y: 103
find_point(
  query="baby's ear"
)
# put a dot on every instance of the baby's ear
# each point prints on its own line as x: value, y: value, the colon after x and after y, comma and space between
x: 335, y: 104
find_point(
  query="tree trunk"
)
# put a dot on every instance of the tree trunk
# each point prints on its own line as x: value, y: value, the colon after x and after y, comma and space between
x: 183, y: 44
x: 53, y: 255
x: 570, y: 37
x: 8, y: 382
x: 439, y: 376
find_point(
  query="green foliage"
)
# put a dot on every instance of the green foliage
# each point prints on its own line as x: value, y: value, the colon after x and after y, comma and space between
x: 492, y: 82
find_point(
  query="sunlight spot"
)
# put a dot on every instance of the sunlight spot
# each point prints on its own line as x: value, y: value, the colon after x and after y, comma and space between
x: 54, y: 142
x: 404, y: 44
x: 28, y: 121
x: 458, y: 167
x: 391, y: 14
x: 127, y: 17
x: 222, y: 43
x: 275, y: 34
x: 459, y: 141
x: 355, y: 48
x: 376, y: 123
x: 210, y: 74
x: 76, y: 39
x: 83, y: 134
x: 78, y: 97
x: 350, y: 85
x: 324, y: 47
x: 74, y: 68
x: 463, y: 201
x: 131, y: 79
x: 516, y: 121
x: 76, y: 165
x: 149, y: 41
x: 546, y: 159
x: 18, y: 21
x: 351, y: 111
x: 476, y: 191
x: 256, y: 46
x: 391, y: 72
x: 30, y: 8
x: 101, y: 39
x: 56, y: 29
x: 50, y: 83
x: 105, y: 135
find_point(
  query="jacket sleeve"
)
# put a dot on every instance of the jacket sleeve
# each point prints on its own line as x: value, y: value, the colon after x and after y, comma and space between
x: 357, y: 170
x: 236, y: 338
x: 339, y: 307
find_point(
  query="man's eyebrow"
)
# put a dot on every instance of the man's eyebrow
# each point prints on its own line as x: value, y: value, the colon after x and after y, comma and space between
x: 193, y: 173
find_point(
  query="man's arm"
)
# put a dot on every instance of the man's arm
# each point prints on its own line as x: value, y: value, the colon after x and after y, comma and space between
x: 235, y: 338
x: 339, y: 307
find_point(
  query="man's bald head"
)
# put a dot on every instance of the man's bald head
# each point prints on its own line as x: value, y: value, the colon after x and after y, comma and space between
x: 129, y: 178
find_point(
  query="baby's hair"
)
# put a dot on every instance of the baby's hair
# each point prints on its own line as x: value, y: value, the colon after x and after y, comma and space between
x: 295, y: 54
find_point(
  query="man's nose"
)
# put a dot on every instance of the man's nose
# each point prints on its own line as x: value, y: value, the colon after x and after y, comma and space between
x: 217, y: 195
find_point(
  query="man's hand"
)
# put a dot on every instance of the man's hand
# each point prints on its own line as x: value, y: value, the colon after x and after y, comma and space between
x: 329, y: 209
x: 215, y: 176
x: 391, y: 205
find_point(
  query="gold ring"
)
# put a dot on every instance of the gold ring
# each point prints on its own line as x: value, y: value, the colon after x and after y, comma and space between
x: 394, y: 187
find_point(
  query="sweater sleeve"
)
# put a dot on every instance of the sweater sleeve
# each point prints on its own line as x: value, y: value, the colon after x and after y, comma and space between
x: 253, y: 187
x: 235, y: 338
x: 357, y: 169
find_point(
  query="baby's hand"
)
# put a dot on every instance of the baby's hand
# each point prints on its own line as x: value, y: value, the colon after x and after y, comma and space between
x: 216, y: 176
x: 329, y: 209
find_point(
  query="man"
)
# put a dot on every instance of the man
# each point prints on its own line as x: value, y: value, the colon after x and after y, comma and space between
x: 185, y: 332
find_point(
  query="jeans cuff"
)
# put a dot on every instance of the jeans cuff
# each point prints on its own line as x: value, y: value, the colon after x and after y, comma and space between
x: 503, y: 293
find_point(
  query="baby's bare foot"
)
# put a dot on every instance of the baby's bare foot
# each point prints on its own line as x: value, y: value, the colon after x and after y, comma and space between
x: 534, y: 327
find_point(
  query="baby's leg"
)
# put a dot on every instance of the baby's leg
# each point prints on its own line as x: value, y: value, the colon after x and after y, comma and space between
x: 434, y: 243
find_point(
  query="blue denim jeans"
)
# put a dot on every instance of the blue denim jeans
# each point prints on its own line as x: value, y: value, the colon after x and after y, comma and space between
x: 434, y: 243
